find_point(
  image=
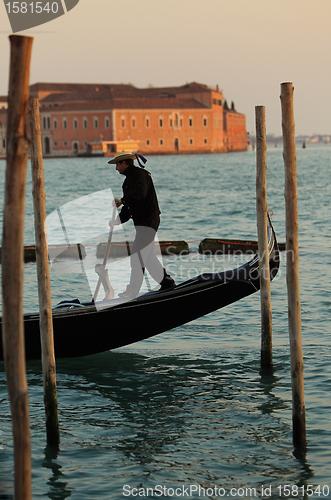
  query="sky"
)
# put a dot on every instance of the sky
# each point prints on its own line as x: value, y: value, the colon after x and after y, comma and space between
x: 247, y: 47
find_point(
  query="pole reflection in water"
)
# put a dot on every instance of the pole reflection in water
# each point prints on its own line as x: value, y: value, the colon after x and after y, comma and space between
x: 58, y: 486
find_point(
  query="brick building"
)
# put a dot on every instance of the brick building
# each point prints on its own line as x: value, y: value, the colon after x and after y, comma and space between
x: 192, y: 118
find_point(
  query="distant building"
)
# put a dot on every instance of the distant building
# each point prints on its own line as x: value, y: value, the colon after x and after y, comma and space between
x: 3, y: 102
x: 78, y: 119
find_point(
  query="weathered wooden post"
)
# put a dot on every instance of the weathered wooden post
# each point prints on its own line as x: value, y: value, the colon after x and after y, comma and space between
x: 262, y: 221
x: 292, y: 265
x: 12, y: 259
x: 44, y: 287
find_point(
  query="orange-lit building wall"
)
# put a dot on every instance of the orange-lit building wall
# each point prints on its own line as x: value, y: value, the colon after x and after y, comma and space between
x: 164, y: 131
x: 235, y: 134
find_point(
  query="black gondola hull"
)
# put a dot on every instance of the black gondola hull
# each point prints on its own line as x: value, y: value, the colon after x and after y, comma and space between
x: 85, y: 330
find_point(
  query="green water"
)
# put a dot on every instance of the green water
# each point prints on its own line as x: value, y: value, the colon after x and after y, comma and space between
x: 189, y: 414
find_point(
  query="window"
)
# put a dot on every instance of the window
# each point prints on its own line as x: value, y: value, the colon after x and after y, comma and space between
x: 190, y: 122
x: 123, y: 121
x: 75, y: 123
x: 55, y: 143
x: 55, y: 124
x: 133, y: 122
x: 3, y: 143
x: 96, y: 122
x: 147, y: 122
x: 190, y: 141
x: 160, y: 122
x: 65, y: 124
x: 161, y: 142
x: 84, y: 122
x: 46, y: 122
x: 220, y: 102
x: 65, y: 144
x: 147, y: 142
x: 107, y: 122
x: 204, y: 121
x: 205, y: 141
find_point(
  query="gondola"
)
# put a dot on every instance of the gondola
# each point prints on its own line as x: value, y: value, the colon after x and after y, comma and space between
x: 82, y: 329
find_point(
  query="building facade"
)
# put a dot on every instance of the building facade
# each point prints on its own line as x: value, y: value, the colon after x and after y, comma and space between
x: 189, y: 119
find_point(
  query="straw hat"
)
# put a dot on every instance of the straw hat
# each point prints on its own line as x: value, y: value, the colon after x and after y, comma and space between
x: 124, y: 155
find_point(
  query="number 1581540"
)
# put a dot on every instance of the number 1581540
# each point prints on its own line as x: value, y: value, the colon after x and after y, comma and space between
x: 32, y: 7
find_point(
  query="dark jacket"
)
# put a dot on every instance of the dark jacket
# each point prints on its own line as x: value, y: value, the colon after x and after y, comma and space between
x: 139, y: 198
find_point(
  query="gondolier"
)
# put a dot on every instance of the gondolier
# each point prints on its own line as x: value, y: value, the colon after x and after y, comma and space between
x: 140, y: 203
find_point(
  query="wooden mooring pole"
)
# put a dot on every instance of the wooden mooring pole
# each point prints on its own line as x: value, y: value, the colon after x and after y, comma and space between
x: 292, y: 265
x: 262, y: 221
x: 44, y: 287
x: 12, y: 260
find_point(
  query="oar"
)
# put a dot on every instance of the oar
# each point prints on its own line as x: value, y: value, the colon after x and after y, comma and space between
x: 101, y: 270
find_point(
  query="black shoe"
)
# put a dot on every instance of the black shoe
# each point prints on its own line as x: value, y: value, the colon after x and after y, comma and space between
x: 167, y: 282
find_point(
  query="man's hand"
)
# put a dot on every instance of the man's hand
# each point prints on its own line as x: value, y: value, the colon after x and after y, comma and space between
x: 115, y: 222
x: 117, y: 202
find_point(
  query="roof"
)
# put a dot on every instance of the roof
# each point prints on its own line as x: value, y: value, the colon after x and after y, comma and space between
x: 125, y: 103
x: 87, y: 95
x: 75, y: 87
x: 73, y: 96
x: 58, y: 92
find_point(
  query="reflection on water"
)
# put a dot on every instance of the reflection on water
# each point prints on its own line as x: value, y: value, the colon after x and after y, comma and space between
x: 190, y: 406
x: 176, y: 417
x: 58, y: 485
x: 166, y: 418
